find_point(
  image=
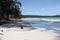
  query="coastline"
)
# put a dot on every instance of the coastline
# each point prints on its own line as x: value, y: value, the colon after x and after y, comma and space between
x: 20, y: 34
x: 27, y: 33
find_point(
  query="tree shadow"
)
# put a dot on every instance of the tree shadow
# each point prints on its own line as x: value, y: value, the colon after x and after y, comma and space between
x: 18, y: 23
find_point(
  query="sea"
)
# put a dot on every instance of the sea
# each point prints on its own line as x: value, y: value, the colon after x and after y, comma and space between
x: 46, y: 23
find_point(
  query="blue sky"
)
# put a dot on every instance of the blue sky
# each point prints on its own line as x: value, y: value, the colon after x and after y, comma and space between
x: 40, y: 7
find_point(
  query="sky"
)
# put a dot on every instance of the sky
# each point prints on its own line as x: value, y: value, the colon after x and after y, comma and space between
x: 40, y: 7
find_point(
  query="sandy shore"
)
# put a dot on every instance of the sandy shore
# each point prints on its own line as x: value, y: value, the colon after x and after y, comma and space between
x: 27, y: 33
x: 21, y: 34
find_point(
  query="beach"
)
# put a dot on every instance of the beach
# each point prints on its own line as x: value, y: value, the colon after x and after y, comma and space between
x: 14, y: 32
x: 21, y: 34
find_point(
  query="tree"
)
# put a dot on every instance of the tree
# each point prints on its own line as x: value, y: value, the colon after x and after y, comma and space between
x: 8, y: 7
x: 16, y: 9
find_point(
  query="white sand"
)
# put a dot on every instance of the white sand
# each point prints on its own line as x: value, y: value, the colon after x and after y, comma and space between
x: 26, y: 34
x: 20, y: 34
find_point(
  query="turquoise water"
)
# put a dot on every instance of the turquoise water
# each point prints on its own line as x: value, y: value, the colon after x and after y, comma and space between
x: 46, y: 23
x: 54, y: 18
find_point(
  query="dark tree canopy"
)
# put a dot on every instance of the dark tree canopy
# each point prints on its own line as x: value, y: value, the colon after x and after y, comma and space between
x: 9, y: 7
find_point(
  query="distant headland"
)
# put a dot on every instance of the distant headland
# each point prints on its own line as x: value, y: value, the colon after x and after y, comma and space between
x: 39, y: 16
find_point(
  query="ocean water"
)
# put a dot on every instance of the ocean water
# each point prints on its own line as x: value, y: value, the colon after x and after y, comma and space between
x: 48, y: 24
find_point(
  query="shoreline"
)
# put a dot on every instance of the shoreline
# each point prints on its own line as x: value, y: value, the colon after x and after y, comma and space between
x: 36, y: 34
x: 13, y: 32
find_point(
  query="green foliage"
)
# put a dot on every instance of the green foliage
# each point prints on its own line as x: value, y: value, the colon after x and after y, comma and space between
x: 9, y: 7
